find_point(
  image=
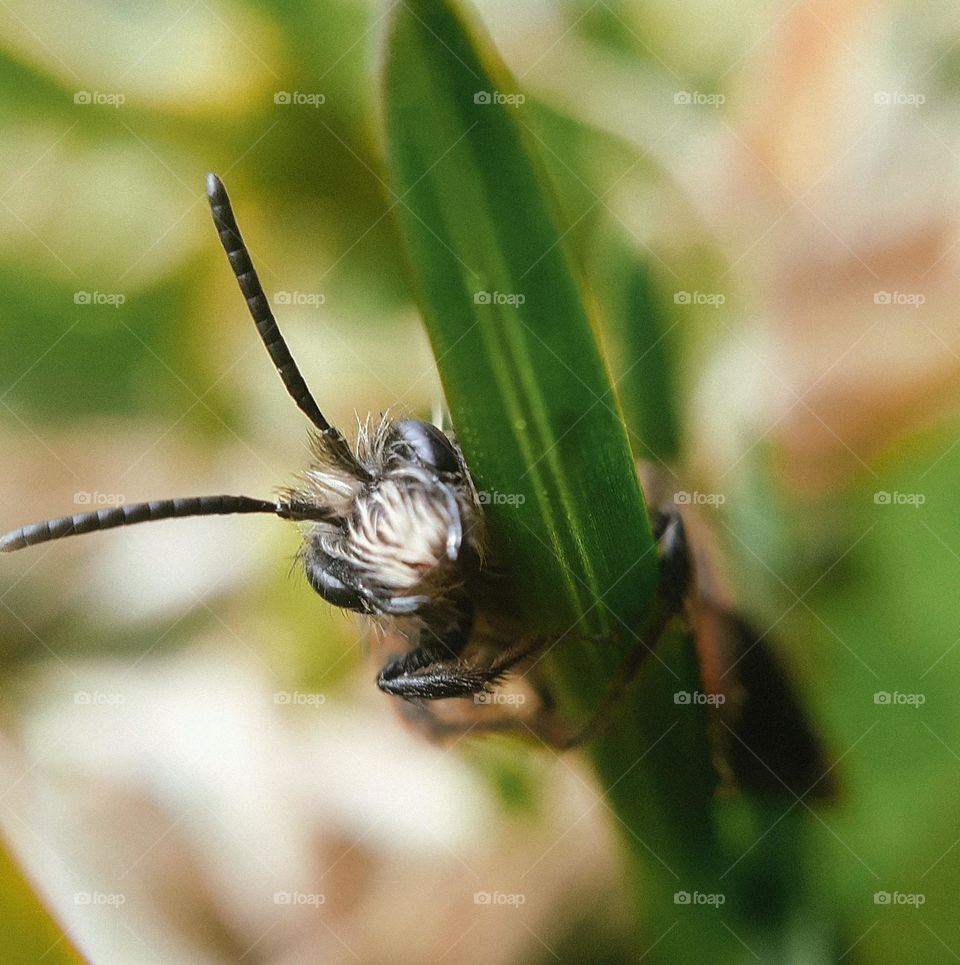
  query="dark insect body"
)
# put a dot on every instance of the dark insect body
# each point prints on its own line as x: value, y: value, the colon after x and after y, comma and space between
x: 393, y: 528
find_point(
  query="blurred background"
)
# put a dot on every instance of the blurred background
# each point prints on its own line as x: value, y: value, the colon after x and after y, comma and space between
x: 195, y: 764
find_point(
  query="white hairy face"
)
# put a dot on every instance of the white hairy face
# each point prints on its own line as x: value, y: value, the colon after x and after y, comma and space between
x: 399, y: 534
x: 402, y: 534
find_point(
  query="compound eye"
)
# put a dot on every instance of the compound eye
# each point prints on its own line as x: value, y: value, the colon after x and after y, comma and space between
x: 322, y: 577
x: 426, y: 444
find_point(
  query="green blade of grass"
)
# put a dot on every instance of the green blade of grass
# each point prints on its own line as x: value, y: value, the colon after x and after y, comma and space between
x: 543, y: 434
x: 529, y: 394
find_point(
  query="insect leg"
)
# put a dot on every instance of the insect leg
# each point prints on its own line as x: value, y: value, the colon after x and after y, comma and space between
x: 435, y: 670
x: 435, y: 680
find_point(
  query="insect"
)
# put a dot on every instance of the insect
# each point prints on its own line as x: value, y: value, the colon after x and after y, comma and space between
x: 393, y: 528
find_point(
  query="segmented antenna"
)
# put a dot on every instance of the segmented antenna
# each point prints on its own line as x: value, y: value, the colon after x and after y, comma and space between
x: 259, y: 307
x: 134, y: 513
x: 158, y: 509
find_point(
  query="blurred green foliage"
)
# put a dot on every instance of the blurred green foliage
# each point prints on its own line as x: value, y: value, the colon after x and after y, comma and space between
x: 170, y: 388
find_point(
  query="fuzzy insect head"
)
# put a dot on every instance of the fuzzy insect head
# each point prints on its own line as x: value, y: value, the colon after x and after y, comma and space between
x: 389, y: 523
x: 403, y: 531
